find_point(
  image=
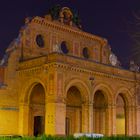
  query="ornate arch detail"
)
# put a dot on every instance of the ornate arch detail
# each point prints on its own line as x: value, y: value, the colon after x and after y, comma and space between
x: 81, y: 86
x: 107, y: 91
x: 127, y: 95
x: 27, y: 88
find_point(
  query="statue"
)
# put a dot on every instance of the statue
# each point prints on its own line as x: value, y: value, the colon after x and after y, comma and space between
x: 66, y: 16
x: 133, y: 67
x: 56, y: 48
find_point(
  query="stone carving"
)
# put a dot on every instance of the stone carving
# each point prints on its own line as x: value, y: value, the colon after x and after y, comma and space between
x: 134, y: 67
x: 65, y: 15
x: 113, y: 59
x: 56, y: 48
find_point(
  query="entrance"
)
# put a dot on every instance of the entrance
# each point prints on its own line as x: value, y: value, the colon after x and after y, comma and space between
x: 37, y: 111
x: 38, y: 125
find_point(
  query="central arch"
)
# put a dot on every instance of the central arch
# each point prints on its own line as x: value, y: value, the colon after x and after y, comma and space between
x: 77, y: 97
x: 73, y: 111
x: 102, y: 115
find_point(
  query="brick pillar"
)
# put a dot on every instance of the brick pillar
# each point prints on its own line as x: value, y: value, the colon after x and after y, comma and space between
x: 60, y: 118
x: 137, y: 120
x: 24, y: 120
x: 108, y: 125
x: 55, y: 118
x: 129, y: 120
x: 90, y: 118
x: 85, y: 118
x: 113, y: 120
x: 134, y: 132
x: 55, y: 108
x: 132, y: 121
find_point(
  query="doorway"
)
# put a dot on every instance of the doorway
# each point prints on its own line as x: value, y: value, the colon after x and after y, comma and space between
x: 37, y: 110
x: 38, y: 125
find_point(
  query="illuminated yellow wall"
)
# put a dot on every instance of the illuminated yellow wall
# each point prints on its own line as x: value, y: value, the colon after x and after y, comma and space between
x: 8, y: 122
x: 120, y: 126
x: 120, y: 115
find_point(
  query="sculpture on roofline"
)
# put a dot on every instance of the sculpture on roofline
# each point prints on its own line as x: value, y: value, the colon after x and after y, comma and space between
x: 133, y: 67
x: 65, y: 15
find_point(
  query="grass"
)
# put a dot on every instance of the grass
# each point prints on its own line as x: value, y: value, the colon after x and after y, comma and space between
x: 44, y: 137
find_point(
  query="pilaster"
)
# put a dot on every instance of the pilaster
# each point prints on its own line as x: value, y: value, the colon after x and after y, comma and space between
x: 24, y: 120
x: 90, y: 118
x: 85, y: 118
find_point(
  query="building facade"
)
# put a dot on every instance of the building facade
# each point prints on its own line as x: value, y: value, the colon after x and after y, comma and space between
x: 57, y: 79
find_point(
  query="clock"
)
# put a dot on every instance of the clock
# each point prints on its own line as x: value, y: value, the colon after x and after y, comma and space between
x: 40, y: 41
x: 85, y: 52
x: 113, y: 59
x: 64, y: 47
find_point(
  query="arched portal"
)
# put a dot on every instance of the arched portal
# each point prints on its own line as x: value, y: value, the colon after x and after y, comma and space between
x: 37, y: 110
x: 120, y: 115
x: 100, y: 113
x: 73, y: 111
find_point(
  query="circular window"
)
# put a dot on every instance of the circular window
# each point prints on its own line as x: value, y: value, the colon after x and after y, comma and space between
x: 40, y: 41
x: 85, y: 52
x: 64, y: 47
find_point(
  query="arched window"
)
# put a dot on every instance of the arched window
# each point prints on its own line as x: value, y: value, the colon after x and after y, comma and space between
x: 40, y: 41
x: 64, y: 47
x: 85, y: 52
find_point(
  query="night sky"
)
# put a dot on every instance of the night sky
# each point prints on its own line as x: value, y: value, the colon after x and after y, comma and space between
x: 106, y: 18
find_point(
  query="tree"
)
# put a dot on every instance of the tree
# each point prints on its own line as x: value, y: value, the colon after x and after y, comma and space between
x: 134, y: 33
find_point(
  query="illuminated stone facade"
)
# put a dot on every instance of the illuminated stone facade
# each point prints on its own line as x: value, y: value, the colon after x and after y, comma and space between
x: 57, y: 79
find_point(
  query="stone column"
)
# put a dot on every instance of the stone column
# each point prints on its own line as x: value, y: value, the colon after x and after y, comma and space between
x: 134, y: 125
x: 129, y: 120
x: 137, y: 122
x: 109, y: 120
x: 132, y: 120
x: 91, y: 118
x: 24, y: 120
x: 85, y: 118
x: 55, y: 118
x: 113, y: 120
x: 60, y: 118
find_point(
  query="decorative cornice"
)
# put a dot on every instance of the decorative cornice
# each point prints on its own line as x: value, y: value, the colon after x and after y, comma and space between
x: 88, y: 71
x: 30, y: 63
x: 70, y: 63
x: 62, y: 27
